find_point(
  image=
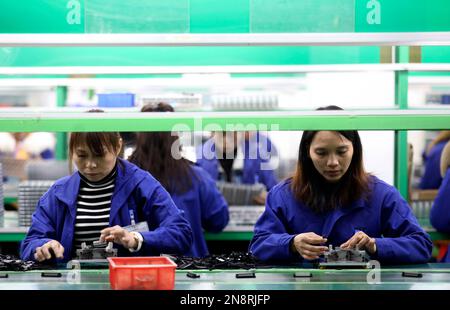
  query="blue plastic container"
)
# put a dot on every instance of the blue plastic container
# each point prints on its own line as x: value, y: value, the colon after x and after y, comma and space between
x: 116, y: 100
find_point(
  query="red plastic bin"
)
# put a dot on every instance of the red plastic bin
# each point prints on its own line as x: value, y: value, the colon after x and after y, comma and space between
x: 141, y: 273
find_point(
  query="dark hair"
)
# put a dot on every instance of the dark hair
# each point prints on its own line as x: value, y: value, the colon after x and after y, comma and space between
x: 311, y: 188
x: 153, y: 153
x: 97, y: 142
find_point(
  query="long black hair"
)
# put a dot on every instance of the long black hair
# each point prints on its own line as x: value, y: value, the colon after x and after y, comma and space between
x: 311, y: 188
x: 153, y: 153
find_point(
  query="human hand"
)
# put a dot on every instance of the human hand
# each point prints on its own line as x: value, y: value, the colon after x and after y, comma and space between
x: 120, y: 236
x: 308, y: 245
x: 261, y: 198
x: 360, y: 241
x: 49, y: 249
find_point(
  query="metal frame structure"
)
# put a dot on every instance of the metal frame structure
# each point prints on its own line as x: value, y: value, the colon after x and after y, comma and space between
x: 227, y: 39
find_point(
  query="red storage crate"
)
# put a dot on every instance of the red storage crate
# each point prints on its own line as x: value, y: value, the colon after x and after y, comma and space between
x: 141, y: 273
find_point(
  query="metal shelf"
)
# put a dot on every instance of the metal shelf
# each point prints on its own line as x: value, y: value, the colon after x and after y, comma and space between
x: 228, y: 39
x: 234, y: 121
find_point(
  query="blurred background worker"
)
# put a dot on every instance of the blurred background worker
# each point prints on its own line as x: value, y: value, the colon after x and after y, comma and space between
x: 27, y: 145
x: 440, y: 212
x: 191, y: 188
x: 432, y: 178
x: 239, y: 158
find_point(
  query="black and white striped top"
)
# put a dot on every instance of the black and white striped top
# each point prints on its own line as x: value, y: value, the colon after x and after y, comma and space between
x: 93, y: 208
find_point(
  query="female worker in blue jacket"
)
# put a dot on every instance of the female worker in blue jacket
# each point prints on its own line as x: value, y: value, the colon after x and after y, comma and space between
x: 431, y: 178
x: 191, y: 188
x: 97, y: 201
x: 331, y: 200
x: 440, y: 211
x: 223, y: 153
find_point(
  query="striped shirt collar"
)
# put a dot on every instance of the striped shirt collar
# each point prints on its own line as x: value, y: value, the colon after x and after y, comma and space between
x: 111, y: 176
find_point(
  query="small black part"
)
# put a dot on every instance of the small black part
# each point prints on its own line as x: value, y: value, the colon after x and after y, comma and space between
x: 245, y: 275
x: 4, y: 276
x: 51, y: 274
x: 412, y: 274
x: 303, y: 275
x: 192, y: 275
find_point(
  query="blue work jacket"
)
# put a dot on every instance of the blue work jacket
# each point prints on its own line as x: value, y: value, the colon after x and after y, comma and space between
x: 204, y: 207
x: 255, y: 157
x: 431, y: 178
x: 440, y: 211
x: 385, y: 216
x: 136, y: 190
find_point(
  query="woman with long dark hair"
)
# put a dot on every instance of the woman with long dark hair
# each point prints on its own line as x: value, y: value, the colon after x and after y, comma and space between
x: 192, y: 189
x: 331, y: 200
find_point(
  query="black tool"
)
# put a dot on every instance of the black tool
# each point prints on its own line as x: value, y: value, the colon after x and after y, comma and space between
x: 51, y: 275
x: 412, y: 274
x: 4, y: 276
x: 192, y: 275
x: 245, y: 275
x: 303, y: 275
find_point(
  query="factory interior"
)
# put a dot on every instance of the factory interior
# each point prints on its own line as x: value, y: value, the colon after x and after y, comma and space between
x: 219, y: 189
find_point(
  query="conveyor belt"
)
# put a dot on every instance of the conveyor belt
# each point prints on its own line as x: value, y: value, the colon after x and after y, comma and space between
x: 434, y: 276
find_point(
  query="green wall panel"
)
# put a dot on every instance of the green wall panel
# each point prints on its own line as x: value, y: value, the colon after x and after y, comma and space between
x: 42, y: 16
x: 175, y: 56
x: 402, y: 15
x: 302, y: 16
x: 207, y: 16
x: 212, y: 16
x: 137, y: 16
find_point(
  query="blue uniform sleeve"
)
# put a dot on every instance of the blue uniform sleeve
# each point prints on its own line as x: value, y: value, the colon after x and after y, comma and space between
x: 267, y: 177
x: 170, y: 232
x: 440, y: 212
x: 214, y: 208
x: 403, y: 241
x: 271, y: 241
x: 42, y: 228
x: 431, y: 178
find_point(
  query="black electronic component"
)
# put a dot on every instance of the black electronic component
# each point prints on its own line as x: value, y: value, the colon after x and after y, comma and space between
x: 412, y: 274
x: 51, y: 274
x: 10, y: 263
x: 303, y: 275
x: 245, y: 275
x: 192, y: 275
x: 234, y: 260
x: 4, y: 276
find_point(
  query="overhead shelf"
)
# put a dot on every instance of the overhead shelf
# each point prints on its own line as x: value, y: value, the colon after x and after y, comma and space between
x: 121, y: 70
x: 13, y: 121
x: 228, y: 39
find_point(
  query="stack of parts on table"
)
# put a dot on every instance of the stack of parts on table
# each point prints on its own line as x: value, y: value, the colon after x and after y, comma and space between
x: 243, y: 211
x: 29, y: 194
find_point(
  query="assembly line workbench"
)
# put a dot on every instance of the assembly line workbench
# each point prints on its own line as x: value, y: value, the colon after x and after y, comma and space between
x: 432, y: 277
x: 11, y: 232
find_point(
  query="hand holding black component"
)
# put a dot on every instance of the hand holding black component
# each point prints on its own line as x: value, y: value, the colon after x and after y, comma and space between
x: 309, y: 245
x: 50, y: 249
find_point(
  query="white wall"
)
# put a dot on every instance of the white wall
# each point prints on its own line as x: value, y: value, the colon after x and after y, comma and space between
x: 356, y: 90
